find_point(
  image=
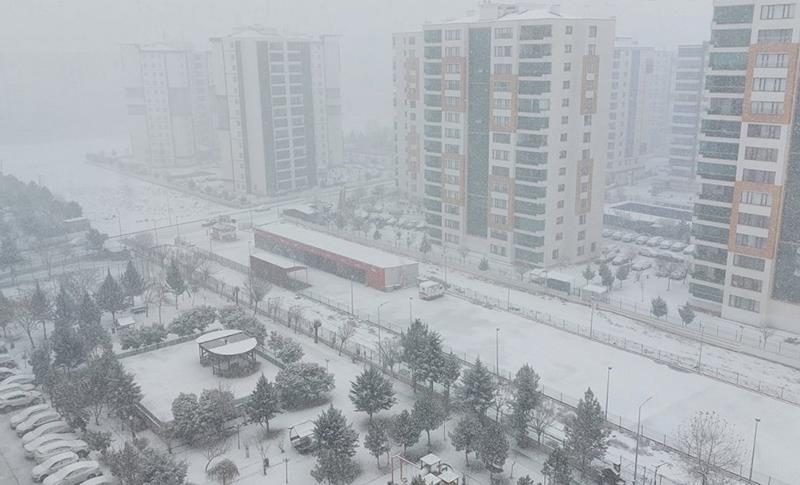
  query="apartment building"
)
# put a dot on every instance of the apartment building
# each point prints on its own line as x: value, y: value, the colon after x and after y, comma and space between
x: 746, y: 227
x: 279, y: 109
x: 639, y: 109
x: 515, y: 130
x: 408, y: 112
x: 169, y: 104
x: 687, y: 100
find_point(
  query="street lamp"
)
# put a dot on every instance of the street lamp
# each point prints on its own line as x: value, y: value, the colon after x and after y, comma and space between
x: 655, y: 474
x: 608, y: 383
x: 753, y: 454
x: 410, y: 318
x: 638, y: 427
x: 379, y: 314
x: 497, y: 351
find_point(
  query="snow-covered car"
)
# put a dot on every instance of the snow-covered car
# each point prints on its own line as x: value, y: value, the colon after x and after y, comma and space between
x: 18, y: 379
x: 654, y: 241
x: 14, y: 387
x: 36, y: 420
x: 7, y: 361
x: 665, y: 244
x: 647, y: 253
x: 689, y: 250
x: 6, y: 372
x: 54, y: 427
x: 101, y: 480
x: 641, y: 265
x: 19, y: 399
x: 629, y: 237
x: 677, y: 247
x: 607, y: 232
x: 641, y: 240
x: 79, y: 447
x: 620, y: 260
x: 31, y: 447
x: 52, y: 465
x: 678, y: 274
x: 26, y: 413
x: 617, y: 235
x: 75, y: 473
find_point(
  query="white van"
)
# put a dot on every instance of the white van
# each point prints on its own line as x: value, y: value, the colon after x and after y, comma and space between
x: 429, y: 290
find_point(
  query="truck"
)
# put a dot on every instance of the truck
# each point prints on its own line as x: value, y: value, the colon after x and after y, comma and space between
x: 429, y: 290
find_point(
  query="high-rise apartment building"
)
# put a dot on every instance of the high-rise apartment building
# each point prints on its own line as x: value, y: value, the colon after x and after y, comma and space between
x: 515, y: 127
x: 279, y: 109
x: 687, y: 100
x: 169, y: 103
x: 639, y: 109
x: 408, y: 112
x: 746, y: 227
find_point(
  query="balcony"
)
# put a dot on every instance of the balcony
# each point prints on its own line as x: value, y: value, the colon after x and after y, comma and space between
x: 716, y: 193
x: 716, y: 171
x: 708, y: 274
x: 728, y: 61
x: 721, y: 129
x: 725, y: 84
x: 719, y: 150
x: 711, y: 255
x: 733, y: 14
x: 535, y: 32
x: 711, y: 213
x: 714, y: 235
x: 705, y: 292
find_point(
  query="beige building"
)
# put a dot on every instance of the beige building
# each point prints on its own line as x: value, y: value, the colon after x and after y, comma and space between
x: 408, y: 112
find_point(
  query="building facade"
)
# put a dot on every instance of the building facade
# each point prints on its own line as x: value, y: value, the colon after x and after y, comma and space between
x: 687, y: 100
x: 745, y: 226
x: 407, y: 50
x: 639, y: 109
x: 278, y: 109
x: 169, y: 104
x: 515, y: 131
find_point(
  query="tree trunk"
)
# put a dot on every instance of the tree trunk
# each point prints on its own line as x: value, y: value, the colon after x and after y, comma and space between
x: 30, y: 337
x: 44, y: 329
x: 428, y: 432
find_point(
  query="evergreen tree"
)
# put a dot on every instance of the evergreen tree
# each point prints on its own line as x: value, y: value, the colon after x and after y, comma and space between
x: 658, y: 307
x: 377, y: 440
x: 89, y: 328
x: 125, y: 396
x: 606, y: 276
x: 687, y: 314
x: 404, y: 430
x: 484, y: 264
x: 622, y: 272
x: 477, y: 392
x: 132, y: 282
x: 7, y: 313
x: 493, y: 447
x: 588, y: 273
x: 586, y: 434
x: 467, y: 435
x: 335, y: 442
x: 175, y: 280
x: 415, y: 344
x: 40, y: 307
x: 68, y: 350
x: 432, y: 359
x: 109, y: 296
x: 186, y: 419
x: 303, y: 384
x: 41, y: 365
x: 449, y: 375
x: 526, y: 398
x: 557, y: 467
x: 425, y: 245
x: 371, y: 392
x: 526, y: 480
x: 264, y: 403
x: 9, y: 254
x: 64, y: 311
x: 428, y: 413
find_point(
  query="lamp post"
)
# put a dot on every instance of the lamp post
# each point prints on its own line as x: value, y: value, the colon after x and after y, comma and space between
x: 351, y: 295
x: 655, y: 474
x: 608, y: 383
x: 497, y: 351
x: 638, y: 427
x: 379, y: 314
x: 753, y: 454
x: 410, y: 318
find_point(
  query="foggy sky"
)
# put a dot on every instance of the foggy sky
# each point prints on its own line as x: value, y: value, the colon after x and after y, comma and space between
x: 59, y: 58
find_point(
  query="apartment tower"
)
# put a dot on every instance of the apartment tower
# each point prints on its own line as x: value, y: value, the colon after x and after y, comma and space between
x: 687, y: 100
x: 746, y: 227
x: 278, y: 109
x: 515, y: 131
x: 408, y: 112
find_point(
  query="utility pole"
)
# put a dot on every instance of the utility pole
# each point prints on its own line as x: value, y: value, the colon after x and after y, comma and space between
x: 608, y: 383
x: 638, y: 428
x: 753, y: 454
x: 410, y: 317
x: 497, y: 351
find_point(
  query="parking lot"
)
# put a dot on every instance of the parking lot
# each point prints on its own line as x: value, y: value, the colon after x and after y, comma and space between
x: 14, y: 468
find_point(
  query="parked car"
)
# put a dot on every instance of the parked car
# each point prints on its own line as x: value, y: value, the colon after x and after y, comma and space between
x: 60, y: 426
x: 6, y: 372
x: 629, y: 237
x: 36, y: 420
x: 647, y: 253
x: 678, y: 274
x: 620, y: 260
x: 101, y: 480
x: 641, y: 240
x: 52, y: 465
x: 18, y: 379
x: 654, y: 241
x: 79, y: 447
x: 429, y: 290
x: 607, y: 232
x: 19, y: 399
x: 677, y: 247
x: 617, y: 235
x: 689, y: 250
x: 665, y: 244
x: 26, y: 413
x: 14, y: 387
x: 641, y: 265
x: 75, y: 473
x: 7, y: 361
x: 31, y: 447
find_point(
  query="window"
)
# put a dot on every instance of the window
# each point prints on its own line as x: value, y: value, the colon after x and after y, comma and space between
x: 758, y: 176
x: 498, y: 219
x: 502, y: 68
x: 567, y: 48
x: 587, y: 120
x: 451, y: 149
x: 587, y: 137
x: 555, y: 254
x: 565, y: 103
x: 500, y: 203
x: 750, y: 241
x: 500, y: 155
x: 502, y: 103
x: 753, y: 220
x: 452, y: 68
x: 771, y: 60
x: 453, y: 85
x: 592, y: 31
x: 770, y: 84
x: 502, y: 87
x: 581, y: 250
x: 778, y: 11
x: 766, y: 108
x: 755, y: 198
x: 503, y: 236
x: 452, y: 133
x: 564, y: 120
x: 567, y: 66
x: 560, y: 204
x: 562, y: 171
x: 561, y: 187
x: 582, y: 219
x: 452, y: 117
x: 450, y: 224
x: 764, y: 131
x: 502, y: 51
x: 452, y: 35
x: 586, y: 154
x: 760, y: 154
x: 451, y: 238
x: 503, y: 33
x: 502, y: 121
x: 562, y: 154
x: 568, y: 30
x: 748, y: 262
x: 581, y: 235
x: 501, y: 171
x: 559, y: 220
x: 498, y: 250
x: 592, y: 49
x: 451, y: 101
x: 501, y: 137
x: 743, y: 303
x: 775, y: 36
x: 559, y: 236
x: 565, y: 85
x: 563, y: 137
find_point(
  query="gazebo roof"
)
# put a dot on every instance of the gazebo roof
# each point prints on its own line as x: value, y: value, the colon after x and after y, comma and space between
x: 227, y: 343
x: 216, y: 334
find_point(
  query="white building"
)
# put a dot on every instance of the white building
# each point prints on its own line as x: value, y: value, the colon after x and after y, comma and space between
x: 168, y: 97
x: 686, y: 106
x: 279, y: 109
x: 408, y: 112
x: 515, y: 133
x: 746, y: 230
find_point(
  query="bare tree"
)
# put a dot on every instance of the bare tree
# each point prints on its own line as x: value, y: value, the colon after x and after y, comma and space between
x: 274, y: 306
x: 156, y: 292
x: 345, y: 332
x: 256, y: 288
x: 542, y: 417
x: 766, y: 333
x: 213, y: 448
x: 294, y: 314
x: 711, y: 444
x: 26, y: 318
x: 391, y: 353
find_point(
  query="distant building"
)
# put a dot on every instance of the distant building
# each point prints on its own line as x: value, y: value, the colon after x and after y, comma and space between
x: 168, y: 97
x: 687, y: 101
x: 639, y: 109
x: 408, y: 112
x: 279, y: 109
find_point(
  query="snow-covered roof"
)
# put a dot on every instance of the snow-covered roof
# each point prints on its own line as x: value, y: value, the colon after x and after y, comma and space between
x: 596, y: 289
x: 449, y: 476
x: 216, y: 334
x: 521, y: 15
x: 126, y: 321
x: 306, y: 428
x: 431, y: 479
x: 276, y: 260
x: 235, y: 348
x: 340, y: 247
x: 430, y: 459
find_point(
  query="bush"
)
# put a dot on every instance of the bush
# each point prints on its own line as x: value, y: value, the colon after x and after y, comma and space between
x: 190, y: 321
x: 234, y: 317
x: 303, y: 384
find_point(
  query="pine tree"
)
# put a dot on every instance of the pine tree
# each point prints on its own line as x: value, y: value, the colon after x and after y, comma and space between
x: 415, y: 343
x: 40, y: 308
x: 449, y: 375
x: 65, y: 311
x: 377, y: 440
x: 264, y: 403
x: 467, y: 435
x: 91, y: 331
x: 658, y: 307
x: 41, y: 365
x: 175, y: 280
x: 557, y: 467
x: 428, y: 413
x: 484, y: 264
x: 687, y: 314
x: 68, y: 349
x: 125, y: 397
x: 477, y: 392
x: 493, y: 447
x: 371, y: 392
x: 588, y: 273
x: 432, y: 359
x: 110, y: 297
x: 586, y: 434
x: 606, y: 276
x: 404, y: 430
x: 526, y: 480
x: 7, y: 313
x: 335, y: 442
x: 526, y: 398
x: 132, y: 282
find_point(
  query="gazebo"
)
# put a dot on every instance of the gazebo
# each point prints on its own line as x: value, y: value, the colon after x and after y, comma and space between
x: 227, y: 350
